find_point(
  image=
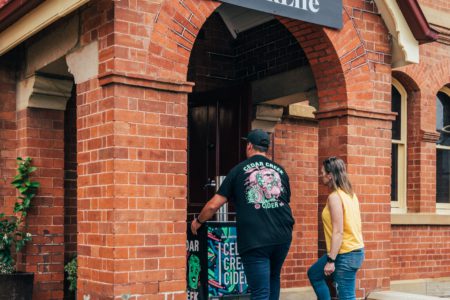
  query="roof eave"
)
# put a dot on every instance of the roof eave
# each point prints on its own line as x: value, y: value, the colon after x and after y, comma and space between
x: 417, y: 22
x: 14, y: 10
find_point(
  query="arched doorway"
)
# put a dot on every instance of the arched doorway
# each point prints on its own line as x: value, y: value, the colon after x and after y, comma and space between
x: 249, y: 72
x: 348, y: 89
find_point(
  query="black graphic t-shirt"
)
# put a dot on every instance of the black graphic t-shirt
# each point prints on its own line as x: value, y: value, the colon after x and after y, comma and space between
x: 261, y: 193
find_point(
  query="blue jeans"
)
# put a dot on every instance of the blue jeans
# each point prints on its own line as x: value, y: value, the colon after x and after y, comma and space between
x: 262, y: 267
x: 344, y: 276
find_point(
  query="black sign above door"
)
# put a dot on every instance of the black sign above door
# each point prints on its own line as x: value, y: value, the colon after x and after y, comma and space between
x: 322, y: 12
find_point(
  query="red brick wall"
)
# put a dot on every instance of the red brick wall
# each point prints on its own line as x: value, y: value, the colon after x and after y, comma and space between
x: 8, y: 141
x: 351, y: 68
x: 41, y: 136
x: 355, y: 134
x: 131, y: 190
x: 93, y: 229
x: 36, y: 133
x: 422, y: 82
x: 414, y: 143
x: 296, y: 149
x: 132, y: 147
x: 420, y: 252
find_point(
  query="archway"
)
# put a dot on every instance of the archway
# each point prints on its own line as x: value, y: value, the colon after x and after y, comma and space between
x: 347, y: 76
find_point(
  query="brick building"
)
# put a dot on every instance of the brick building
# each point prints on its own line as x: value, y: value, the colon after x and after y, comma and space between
x: 131, y: 108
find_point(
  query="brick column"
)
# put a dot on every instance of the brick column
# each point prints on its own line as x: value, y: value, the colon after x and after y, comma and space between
x: 41, y: 136
x: 131, y: 132
x: 422, y: 137
x: 296, y: 149
x: 363, y: 140
x: 131, y: 188
x: 8, y: 141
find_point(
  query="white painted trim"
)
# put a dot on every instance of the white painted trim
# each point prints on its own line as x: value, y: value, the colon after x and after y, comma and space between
x: 436, y: 16
x: 445, y: 90
x: 401, y: 205
x: 443, y: 208
x: 405, y: 46
x: 443, y: 147
x: 36, y: 20
x: 420, y: 219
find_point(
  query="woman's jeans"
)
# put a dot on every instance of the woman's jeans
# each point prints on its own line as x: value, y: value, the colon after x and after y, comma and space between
x: 344, y: 275
x: 262, y: 267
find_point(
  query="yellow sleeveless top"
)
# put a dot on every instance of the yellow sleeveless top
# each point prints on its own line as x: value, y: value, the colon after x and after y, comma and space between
x: 352, y: 235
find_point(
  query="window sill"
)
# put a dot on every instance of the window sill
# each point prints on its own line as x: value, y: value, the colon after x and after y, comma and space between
x: 420, y: 219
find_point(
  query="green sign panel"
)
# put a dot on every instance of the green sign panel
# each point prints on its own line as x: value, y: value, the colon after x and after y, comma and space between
x: 214, y: 268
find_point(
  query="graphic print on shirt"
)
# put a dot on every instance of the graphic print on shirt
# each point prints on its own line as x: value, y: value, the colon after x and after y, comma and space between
x: 263, y: 187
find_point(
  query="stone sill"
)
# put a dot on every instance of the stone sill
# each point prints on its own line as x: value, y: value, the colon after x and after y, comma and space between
x: 420, y: 219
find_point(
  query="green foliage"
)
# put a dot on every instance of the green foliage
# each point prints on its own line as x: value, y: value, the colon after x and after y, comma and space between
x: 13, y: 229
x: 71, y: 270
x: 6, y: 269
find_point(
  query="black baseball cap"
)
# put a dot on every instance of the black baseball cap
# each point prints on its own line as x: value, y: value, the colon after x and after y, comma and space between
x: 258, y: 137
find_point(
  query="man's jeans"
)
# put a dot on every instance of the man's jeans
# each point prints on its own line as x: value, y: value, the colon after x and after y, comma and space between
x: 262, y: 267
x: 344, y: 276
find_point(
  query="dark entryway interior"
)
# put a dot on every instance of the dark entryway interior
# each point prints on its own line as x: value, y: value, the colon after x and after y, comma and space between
x: 217, y: 121
x: 241, y: 59
x: 70, y: 186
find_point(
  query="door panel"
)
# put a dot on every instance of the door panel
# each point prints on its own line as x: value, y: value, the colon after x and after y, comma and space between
x: 217, y: 121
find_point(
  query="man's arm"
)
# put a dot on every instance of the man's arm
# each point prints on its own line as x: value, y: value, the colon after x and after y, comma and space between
x: 210, y: 208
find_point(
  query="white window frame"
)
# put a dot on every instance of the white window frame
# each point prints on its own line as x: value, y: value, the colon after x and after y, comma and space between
x: 400, y: 205
x: 443, y: 208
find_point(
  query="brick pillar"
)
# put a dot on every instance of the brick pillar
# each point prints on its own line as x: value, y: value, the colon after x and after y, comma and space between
x: 8, y: 141
x: 132, y: 143
x: 296, y: 149
x: 41, y: 136
x: 422, y: 137
x: 363, y: 140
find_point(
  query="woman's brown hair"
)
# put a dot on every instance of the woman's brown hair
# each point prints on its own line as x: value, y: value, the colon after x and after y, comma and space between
x: 339, y: 179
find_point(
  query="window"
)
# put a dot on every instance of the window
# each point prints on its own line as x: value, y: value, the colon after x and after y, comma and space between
x: 398, y: 159
x: 443, y: 149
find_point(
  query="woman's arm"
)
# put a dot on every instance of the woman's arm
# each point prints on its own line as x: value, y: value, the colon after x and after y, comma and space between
x: 337, y: 221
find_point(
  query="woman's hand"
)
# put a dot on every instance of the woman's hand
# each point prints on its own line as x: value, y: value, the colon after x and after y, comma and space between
x: 329, y: 269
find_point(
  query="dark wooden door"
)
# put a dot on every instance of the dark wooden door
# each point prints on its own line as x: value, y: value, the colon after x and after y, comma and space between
x: 217, y: 121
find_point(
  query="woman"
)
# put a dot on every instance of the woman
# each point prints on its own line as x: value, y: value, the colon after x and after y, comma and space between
x: 342, y: 225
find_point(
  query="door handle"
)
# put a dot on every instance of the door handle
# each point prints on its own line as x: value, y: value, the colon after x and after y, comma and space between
x: 211, y: 183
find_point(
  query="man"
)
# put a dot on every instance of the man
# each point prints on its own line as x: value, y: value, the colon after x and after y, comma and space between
x: 261, y: 193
